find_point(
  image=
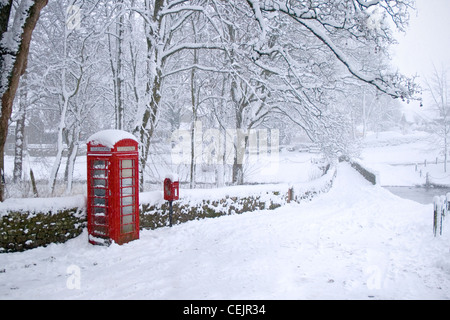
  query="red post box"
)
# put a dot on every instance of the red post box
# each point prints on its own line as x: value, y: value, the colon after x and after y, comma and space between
x: 171, y: 193
x: 112, y: 187
x: 171, y: 190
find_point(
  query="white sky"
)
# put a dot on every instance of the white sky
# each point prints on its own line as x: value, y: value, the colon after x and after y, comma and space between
x: 427, y: 40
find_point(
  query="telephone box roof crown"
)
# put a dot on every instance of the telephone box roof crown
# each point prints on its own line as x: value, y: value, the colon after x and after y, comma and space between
x: 109, y: 138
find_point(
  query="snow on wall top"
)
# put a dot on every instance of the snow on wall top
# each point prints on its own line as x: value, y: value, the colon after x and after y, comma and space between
x: 37, y: 205
x: 109, y: 138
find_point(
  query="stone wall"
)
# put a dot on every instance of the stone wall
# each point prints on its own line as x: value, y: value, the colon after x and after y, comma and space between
x: 368, y: 175
x: 155, y: 216
x: 21, y: 230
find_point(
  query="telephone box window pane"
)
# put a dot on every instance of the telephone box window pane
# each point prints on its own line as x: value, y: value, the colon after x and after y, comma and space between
x: 99, y: 192
x: 99, y: 164
x: 127, y: 201
x: 100, y: 149
x: 99, y: 202
x: 127, y: 228
x: 127, y: 173
x: 101, y: 221
x: 99, y: 183
x: 99, y: 211
x: 127, y: 210
x: 127, y: 219
x: 99, y: 173
x: 127, y: 182
x: 127, y: 191
x: 100, y: 230
x: 127, y: 163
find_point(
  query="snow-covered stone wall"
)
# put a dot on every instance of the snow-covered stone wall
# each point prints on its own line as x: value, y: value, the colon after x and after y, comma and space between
x: 210, y: 203
x: 30, y: 223
x: 366, y: 173
x: 21, y: 230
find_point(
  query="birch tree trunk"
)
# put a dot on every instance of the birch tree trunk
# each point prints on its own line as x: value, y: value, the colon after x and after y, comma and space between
x: 20, y: 135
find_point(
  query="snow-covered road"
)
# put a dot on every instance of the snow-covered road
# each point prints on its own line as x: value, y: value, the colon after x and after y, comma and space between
x: 356, y: 242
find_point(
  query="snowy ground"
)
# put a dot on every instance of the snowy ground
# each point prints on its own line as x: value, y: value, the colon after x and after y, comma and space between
x: 405, y: 160
x: 356, y: 242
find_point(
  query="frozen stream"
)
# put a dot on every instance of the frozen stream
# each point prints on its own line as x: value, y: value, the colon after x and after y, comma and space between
x: 420, y: 194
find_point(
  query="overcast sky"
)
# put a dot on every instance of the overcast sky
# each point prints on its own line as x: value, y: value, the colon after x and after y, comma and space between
x: 427, y: 40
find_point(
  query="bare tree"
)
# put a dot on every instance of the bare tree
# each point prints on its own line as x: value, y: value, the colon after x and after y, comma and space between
x: 162, y: 22
x: 15, y: 41
x: 439, y: 90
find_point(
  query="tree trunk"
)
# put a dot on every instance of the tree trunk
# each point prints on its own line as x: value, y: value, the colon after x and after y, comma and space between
x: 72, y: 157
x: 59, y: 146
x: 116, y: 61
x: 66, y: 96
x: 445, y: 147
x: 239, y: 156
x: 20, y: 136
x: 194, y: 119
x: 9, y: 89
x: 147, y: 124
x: 147, y: 127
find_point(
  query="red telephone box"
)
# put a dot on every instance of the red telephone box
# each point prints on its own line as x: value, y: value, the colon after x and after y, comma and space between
x: 112, y: 187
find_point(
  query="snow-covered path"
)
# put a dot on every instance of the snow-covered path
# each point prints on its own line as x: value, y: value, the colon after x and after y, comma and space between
x: 356, y: 242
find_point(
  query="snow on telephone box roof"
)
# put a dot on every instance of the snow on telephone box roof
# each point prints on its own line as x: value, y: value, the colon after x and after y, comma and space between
x: 109, y: 138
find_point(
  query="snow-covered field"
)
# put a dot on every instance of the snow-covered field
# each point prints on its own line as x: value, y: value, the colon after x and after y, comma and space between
x: 356, y: 242
x: 405, y: 160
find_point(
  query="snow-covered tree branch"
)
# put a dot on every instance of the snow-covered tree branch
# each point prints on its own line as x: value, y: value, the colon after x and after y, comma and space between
x: 331, y: 22
x: 15, y: 41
